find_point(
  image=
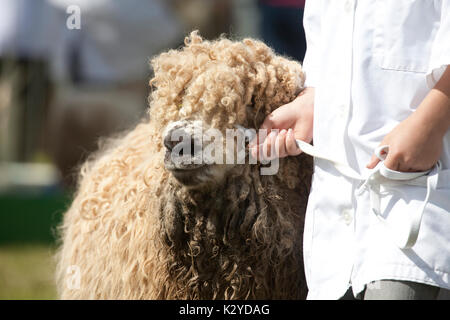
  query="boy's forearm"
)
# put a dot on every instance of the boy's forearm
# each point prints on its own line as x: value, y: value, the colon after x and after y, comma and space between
x: 434, y: 111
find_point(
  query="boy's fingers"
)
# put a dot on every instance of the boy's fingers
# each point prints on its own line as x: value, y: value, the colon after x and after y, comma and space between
x: 269, y: 143
x: 291, y: 146
x: 254, y: 152
x: 260, y: 137
x: 280, y: 144
x: 254, y: 142
x: 274, y: 145
x: 268, y: 123
x: 373, y: 162
x: 392, y: 163
x: 263, y: 148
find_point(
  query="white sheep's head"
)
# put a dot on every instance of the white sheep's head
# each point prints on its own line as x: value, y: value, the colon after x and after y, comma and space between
x: 204, y: 91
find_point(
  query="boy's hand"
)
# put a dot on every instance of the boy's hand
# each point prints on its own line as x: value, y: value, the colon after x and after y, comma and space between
x: 413, y: 146
x: 416, y: 143
x: 294, y: 120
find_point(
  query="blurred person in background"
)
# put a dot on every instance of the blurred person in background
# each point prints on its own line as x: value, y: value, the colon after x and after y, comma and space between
x: 25, y: 86
x: 115, y: 39
x: 102, y: 72
x: 211, y: 17
x: 102, y: 69
x: 61, y: 88
x: 282, y: 27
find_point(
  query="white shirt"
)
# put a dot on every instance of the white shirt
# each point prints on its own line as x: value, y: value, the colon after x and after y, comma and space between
x: 372, y: 63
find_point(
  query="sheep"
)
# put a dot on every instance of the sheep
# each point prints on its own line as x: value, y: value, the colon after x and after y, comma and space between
x: 143, y: 227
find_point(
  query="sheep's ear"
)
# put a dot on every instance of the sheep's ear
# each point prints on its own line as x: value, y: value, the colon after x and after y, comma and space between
x: 193, y: 38
x: 262, y: 51
x: 249, y: 42
x: 254, y: 43
x: 300, y: 83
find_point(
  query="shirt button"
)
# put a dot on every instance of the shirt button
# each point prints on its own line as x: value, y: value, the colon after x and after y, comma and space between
x: 342, y: 111
x: 348, y: 6
x: 347, y: 215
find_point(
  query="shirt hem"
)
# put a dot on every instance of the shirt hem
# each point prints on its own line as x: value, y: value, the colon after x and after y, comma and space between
x: 403, y: 272
x: 399, y: 272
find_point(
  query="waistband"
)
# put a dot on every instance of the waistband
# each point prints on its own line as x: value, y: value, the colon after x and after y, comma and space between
x: 381, y: 174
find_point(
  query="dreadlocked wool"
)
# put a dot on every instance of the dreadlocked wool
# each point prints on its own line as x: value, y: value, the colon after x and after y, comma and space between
x: 134, y: 232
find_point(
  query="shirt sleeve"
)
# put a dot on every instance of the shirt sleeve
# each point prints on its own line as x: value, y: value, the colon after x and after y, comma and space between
x: 311, y: 24
x: 440, y: 51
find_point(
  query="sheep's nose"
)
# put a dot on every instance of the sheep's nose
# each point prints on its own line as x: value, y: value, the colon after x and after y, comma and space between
x: 169, y: 141
x: 181, y: 134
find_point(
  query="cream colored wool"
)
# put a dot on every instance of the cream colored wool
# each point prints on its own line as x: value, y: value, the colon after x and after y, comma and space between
x: 134, y: 232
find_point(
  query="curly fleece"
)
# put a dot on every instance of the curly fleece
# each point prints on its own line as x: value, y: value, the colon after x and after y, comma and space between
x: 135, y: 232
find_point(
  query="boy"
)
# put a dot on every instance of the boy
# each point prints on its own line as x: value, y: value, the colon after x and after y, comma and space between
x: 376, y: 75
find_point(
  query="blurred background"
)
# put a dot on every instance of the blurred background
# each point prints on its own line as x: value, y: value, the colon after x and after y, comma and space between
x: 72, y: 71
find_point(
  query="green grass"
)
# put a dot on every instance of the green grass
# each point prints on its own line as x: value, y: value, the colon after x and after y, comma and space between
x: 27, y: 272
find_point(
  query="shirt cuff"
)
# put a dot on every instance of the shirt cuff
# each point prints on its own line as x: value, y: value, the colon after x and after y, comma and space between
x: 435, y: 73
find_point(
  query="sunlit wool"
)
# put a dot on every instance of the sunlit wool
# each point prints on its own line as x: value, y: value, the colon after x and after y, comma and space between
x: 135, y: 232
